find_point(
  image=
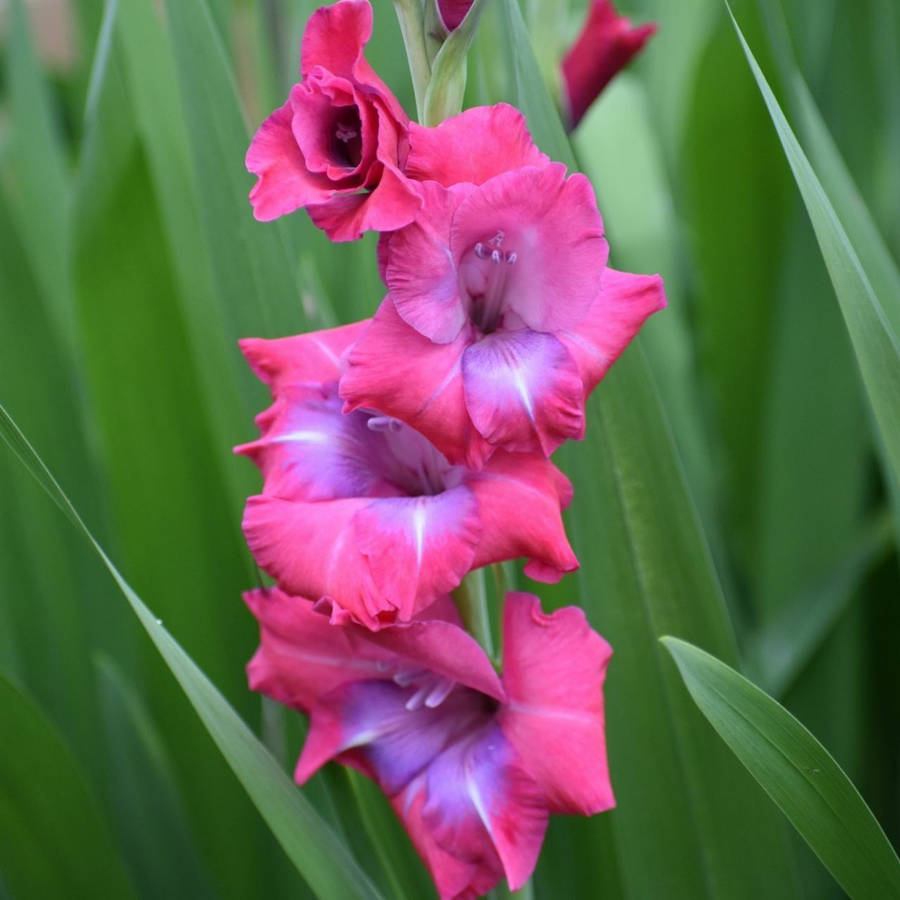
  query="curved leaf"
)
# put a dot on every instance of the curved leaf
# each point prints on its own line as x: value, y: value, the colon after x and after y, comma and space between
x: 796, y: 771
x: 54, y: 841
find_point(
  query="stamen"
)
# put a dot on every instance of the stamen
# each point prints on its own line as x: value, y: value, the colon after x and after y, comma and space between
x: 496, y: 256
x: 439, y: 694
x: 384, y: 423
x: 407, y: 676
x: 480, y: 252
x: 418, y: 698
x: 511, y: 257
x: 345, y: 133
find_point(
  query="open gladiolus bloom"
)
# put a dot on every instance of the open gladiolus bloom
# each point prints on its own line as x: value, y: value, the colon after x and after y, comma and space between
x: 405, y: 452
x: 334, y: 146
x: 362, y: 510
x: 472, y: 763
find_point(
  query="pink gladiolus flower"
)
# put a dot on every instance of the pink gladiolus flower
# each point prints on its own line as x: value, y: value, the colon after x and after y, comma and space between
x: 606, y: 44
x: 501, y: 316
x: 363, y: 510
x: 334, y: 147
x: 472, y: 764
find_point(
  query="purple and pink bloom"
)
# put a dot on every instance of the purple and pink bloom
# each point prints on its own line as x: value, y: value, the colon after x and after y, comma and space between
x: 472, y: 763
x: 363, y: 511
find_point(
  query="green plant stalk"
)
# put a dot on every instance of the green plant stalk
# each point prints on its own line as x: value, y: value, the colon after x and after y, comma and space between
x: 471, y: 601
x: 409, y: 15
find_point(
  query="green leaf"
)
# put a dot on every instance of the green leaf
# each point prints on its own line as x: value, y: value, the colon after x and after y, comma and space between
x: 150, y: 816
x: 324, y: 862
x: 254, y: 266
x: 54, y: 841
x: 780, y: 649
x: 874, y: 340
x: 796, y: 771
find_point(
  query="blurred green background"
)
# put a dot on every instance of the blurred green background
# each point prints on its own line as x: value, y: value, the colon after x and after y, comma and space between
x: 130, y: 264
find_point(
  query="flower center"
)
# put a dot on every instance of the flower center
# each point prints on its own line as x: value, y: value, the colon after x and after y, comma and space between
x: 409, y: 461
x: 346, y: 143
x: 484, y: 272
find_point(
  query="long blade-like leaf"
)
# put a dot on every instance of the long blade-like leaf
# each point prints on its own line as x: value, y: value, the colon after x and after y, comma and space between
x: 874, y: 340
x: 323, y: 861
x: 796, y: 771
x: 54, y: 841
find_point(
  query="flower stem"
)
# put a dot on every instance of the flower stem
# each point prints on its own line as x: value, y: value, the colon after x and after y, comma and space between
x: 471, y: 601
x: 409, y: 15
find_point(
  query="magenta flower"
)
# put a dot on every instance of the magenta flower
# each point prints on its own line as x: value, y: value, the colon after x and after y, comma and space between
x: 334, y: 147
x: 501, y: 315
x: 472, y: 764
x: 606, y: 44
x: 363, y: 510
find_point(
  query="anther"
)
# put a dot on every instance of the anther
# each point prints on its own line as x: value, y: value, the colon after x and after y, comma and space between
x: 496, y: 256
x: 480, y: 252
x: 511, y: 257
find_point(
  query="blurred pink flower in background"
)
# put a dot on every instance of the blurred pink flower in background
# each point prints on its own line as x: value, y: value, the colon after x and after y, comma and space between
x: 607, y: 42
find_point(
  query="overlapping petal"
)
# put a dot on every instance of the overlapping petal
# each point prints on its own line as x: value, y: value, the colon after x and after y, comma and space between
x: 395, y: 369
x: 472, y: 147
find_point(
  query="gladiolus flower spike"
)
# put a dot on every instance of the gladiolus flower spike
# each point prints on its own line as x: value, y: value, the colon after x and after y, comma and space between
x: 405, y: 451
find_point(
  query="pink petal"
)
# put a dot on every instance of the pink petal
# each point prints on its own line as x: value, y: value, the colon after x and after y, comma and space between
x: 305, y: 358
x: 391, y: 205
x: 472, y: 147
x: 284, y: 183
x: 310, y: 451
x: 381, y: 560
x: 335, y: 37
x: 455, y: 879
x: 624, y: 303
x: 553, y: 670
x: 394, y: 369
x: 420, y: 272
x: 301, y: 656
x: 606, y: 44
x: 445, y: 649
x: 523, y: 391
x: 481, y: 801
x: 418, y: 548
x: 520, y: 499
x: 551, y: 225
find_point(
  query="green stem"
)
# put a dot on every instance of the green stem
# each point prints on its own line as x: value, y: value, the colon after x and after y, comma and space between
x: 471, y: 601
x: 409, y: 15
